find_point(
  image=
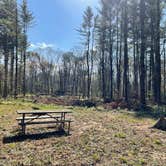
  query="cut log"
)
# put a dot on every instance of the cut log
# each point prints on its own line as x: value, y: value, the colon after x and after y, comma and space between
x: 161, y: 124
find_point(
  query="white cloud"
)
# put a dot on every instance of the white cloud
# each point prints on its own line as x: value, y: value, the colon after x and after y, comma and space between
x: 89, y: 2
x: 42, y: 45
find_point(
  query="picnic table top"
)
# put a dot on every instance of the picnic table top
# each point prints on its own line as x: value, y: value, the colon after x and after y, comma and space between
x: 42, y: 111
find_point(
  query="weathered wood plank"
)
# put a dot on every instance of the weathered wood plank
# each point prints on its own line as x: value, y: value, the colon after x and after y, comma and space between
x: 46, y: 122
x: 42, y: 111
x: 35, y: 117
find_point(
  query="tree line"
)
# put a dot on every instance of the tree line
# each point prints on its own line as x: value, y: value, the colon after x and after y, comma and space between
x: 14, y: 22
x: 129, y: 37
x: 121, y: 56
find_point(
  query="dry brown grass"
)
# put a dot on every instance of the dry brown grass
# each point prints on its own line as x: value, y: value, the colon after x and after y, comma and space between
x: 97, y: 138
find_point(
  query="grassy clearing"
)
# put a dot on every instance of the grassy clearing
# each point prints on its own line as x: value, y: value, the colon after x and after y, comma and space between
x: 98, y: 137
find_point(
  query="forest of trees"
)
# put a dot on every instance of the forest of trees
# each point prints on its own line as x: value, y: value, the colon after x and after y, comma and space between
x: 14, y: 23
x: 122, y: 54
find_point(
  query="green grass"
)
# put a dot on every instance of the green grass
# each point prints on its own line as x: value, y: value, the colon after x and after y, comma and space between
x: 120, y: 135
x: 103, y: 137
x: 19, y: 104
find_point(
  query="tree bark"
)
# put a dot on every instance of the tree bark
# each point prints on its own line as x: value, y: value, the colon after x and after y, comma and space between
x: 111, y: 64
x: 16, y: 57
x: 142, y: 56
x: 164, y: 73
x: 88, y: 66
x: 158, y: 56
x: 6, y: 59
x: 125, y: 74
x: 11, y: 71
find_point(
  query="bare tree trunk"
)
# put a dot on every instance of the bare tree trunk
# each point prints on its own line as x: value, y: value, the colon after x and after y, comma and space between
x: 6, y: 59
x: 137, y: 64
x: 117, y: 53
x: 142, y: 57
x: 119, y: 63
x: 16, y: 58
x: 111, y: 65
x: 150, y: 77
x: 146, y: 74
x: 125, y: 74
x: 92, y: 59
x: 88, y: 66
x: 158, y: 56
x: 0, y: 83
x: 24, y: 68
x: 20, y: 72
x: 164, y: 73
x: 103, y: 74
x: 11, y: 71
x: 84, y: 83
x: 152, y: 58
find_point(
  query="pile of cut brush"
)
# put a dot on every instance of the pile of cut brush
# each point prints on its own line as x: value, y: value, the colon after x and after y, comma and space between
x: 84, y: 103
x: 65, y: 101
x: 116, y: 104
x: 52, y: 100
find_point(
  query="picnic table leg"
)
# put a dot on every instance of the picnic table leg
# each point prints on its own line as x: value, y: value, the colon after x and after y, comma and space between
x: 23, y: 124
x: 61, y: 123
x: 68, y: 128
x: 64, y: 120
x: 23, y: 129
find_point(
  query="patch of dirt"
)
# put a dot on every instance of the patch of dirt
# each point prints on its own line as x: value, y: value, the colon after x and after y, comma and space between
x: 97, y: 138
x: 143, y: 127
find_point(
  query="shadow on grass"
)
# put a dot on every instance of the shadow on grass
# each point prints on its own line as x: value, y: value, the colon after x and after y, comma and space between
x: 144, y: 114
x: 147, y: 112
x: 39, y: 136
x: 151, y: 113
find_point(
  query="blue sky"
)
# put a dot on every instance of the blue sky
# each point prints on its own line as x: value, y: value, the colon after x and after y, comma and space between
x: 56, y: 21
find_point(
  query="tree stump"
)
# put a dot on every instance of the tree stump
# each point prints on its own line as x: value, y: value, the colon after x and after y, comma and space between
x: 161, y: 124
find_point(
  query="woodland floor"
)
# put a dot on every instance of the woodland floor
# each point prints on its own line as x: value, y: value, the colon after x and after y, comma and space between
x: 106, y: 138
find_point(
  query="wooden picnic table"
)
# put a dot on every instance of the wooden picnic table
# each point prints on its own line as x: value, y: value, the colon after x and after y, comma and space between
x: 42, y: 111
x: 56, y: 116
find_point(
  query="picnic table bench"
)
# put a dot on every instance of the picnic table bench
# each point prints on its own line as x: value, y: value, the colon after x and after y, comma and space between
x: 33, y: 117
